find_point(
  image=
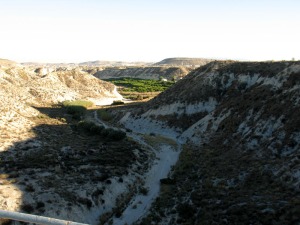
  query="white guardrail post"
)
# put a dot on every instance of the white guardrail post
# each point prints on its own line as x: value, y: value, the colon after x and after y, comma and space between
x: 35, y: 219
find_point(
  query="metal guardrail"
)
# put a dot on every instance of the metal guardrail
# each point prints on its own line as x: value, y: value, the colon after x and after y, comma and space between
x: 35, y: 219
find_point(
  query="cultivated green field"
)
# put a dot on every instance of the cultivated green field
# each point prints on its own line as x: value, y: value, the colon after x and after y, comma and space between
x: 140, y: 85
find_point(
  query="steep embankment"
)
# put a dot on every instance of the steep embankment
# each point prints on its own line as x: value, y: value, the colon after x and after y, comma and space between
x: 155, y: 73
x: 241, y: 164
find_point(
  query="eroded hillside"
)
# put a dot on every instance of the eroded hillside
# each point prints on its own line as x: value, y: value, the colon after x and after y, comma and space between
x: 240, y: 164
x: 154, y: 72
x: 49, y: 165
x: 22, y: 88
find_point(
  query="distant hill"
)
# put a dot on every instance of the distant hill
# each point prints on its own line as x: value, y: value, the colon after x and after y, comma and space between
x: 184, y: 61
x: 191, y: 62
x: 97, y: 63
x: 6, y: 62
x: 141, y: 72
x: 40, y: 64
x: 112, y: 63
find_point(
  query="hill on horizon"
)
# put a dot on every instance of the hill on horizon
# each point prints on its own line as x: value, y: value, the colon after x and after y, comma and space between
x: 7, y: 62
x: 174, y: 61
x: 184, y: 61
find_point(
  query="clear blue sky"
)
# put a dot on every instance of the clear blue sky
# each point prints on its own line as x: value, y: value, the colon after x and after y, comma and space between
x: 131, y: 30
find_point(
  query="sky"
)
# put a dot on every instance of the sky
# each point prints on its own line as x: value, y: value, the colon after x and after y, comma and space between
x: 132, y: 30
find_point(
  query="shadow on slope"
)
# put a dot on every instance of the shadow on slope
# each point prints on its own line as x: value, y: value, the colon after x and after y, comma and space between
x: 62, y: 172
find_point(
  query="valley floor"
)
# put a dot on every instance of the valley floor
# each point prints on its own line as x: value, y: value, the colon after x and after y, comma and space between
x: 166, y: 155
x: 64, y: 173
x: 141, y: 203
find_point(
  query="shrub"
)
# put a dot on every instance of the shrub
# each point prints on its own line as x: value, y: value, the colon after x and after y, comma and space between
x: 109, y: 130
x: 85, y: 125
x: 29, y: 188
x: 185, y: 210
x: 117, y: 103
x: 104, y: 115
x: 105, y: 132
x: 90, y: 127
x: 27, y: 208
x: 85, y: 201
x: 40, y: 205
x: 167, y: 181
x: 94, y: 129
x: 116, y: 135
x: 77, y: 108
x: 143, y: 190
x: 139, y: 97
x: 83, y: 103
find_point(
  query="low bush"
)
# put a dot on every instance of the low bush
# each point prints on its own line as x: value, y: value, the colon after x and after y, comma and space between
x: 185, y: 210
x: 119, y: 102
x: 104, y: 115
x: 104, y: 132
x: 96, y: 129
x: 83, y: 103
x: 85, y: 125
x: 116, y: 135
x: 76, y: 111
x: 40, y: 205
x: 167, y: 181
x: 27, y: 208
x: 143, y: 190
x: 93, y: 129
x: 77, y: 108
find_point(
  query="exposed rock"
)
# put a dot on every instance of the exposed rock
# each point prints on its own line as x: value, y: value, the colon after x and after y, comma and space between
x: 239, y: 164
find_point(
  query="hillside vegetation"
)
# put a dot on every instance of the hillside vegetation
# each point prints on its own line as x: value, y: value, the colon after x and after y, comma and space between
x: 240, y: 164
